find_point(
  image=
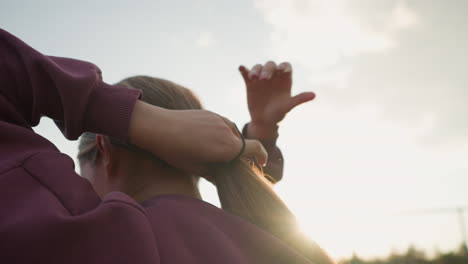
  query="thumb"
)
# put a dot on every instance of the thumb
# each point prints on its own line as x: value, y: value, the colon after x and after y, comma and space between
x: 300, y: 99
x: 255, y: 149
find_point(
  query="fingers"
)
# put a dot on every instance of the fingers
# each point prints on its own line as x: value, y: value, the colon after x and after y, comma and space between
x: 255, y: 71
x: 265, y: 72
x: 285, y: 70
x: 255, y: 149
x: 285, y: 67
x: 244, y: 72
x: 300, y: 99
x: 268, y: 70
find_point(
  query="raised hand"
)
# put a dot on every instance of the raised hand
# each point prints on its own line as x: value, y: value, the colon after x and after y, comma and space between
x: 189, y: 139
x: 269, y: 97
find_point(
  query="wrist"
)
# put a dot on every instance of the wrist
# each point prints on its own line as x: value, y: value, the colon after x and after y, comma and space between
x: 144, y: 125
x: 262, y: 131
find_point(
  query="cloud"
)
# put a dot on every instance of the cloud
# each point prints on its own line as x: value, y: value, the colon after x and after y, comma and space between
x: 205, y: 39
x: 402, y: 17
x: 405, y: 59
x: 328, y: 30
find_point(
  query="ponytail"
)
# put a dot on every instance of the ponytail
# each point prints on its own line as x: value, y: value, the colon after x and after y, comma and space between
x: 245, y: 192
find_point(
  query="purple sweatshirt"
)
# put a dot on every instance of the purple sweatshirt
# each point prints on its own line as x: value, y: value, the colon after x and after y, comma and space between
x: 49, y: 214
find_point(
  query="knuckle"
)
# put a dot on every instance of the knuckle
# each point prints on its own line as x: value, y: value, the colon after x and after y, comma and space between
x: 257, y: 67
x: 227, y: 137
x: 231, y: 149
x: 221, y: 151
x: 222, y: 134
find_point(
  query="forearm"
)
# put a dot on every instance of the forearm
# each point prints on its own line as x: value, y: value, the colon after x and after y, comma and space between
x: 69, y: 91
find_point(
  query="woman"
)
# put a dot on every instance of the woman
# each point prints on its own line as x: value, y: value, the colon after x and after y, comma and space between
x: 48, y: 214
x: 171, y: 197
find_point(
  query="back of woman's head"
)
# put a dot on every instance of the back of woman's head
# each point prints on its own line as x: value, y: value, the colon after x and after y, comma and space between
x: 155, y: 91
x: 242, y: 188
x: 163, y: 93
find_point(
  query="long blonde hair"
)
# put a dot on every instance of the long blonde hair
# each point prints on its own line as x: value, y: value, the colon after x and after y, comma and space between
x: 242, y: 189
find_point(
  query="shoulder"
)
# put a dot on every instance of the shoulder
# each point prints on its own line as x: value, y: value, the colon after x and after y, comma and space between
x: 19, y: 144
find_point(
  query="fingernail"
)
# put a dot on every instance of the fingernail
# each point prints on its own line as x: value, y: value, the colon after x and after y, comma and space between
x: 263, y: 76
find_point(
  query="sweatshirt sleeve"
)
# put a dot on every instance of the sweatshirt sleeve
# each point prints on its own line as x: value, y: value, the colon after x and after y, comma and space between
x: 48, y: 213
x: 69, y: 91
x: 274, y: 168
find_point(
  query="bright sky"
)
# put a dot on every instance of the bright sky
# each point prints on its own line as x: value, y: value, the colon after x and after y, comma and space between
x: 386, y: 136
